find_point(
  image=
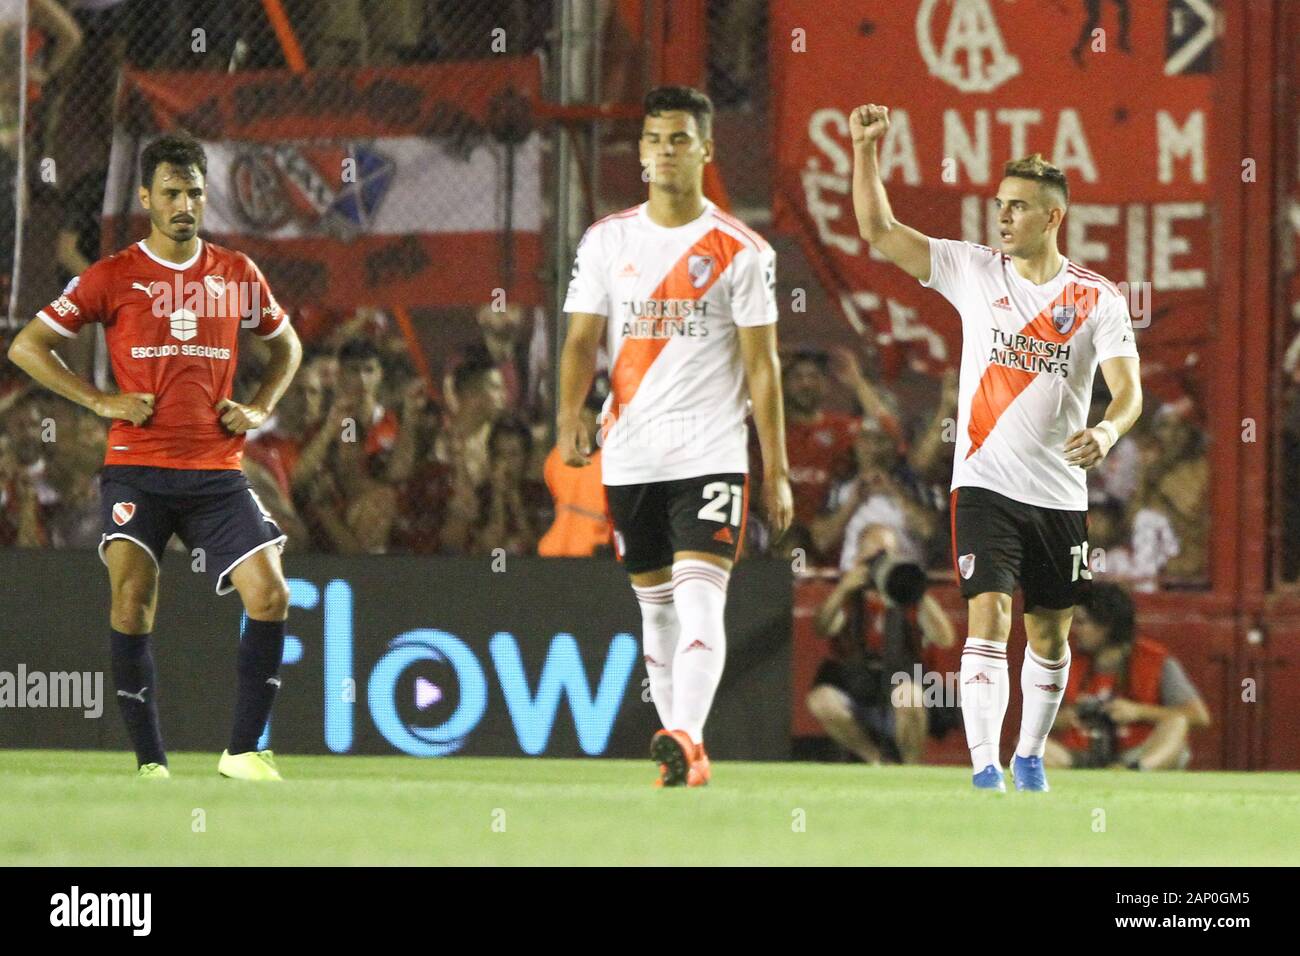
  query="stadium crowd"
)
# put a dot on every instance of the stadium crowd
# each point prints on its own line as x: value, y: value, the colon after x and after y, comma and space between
x: 364, y: 455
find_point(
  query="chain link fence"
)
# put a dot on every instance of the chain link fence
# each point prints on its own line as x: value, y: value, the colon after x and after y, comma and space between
x: 383, y: 165
x: 405, y: 173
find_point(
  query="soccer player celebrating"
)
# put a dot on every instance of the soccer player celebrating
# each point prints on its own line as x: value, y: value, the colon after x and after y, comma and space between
x: 172, y: 306
x: 687, y: 297
x: 1035, y: 326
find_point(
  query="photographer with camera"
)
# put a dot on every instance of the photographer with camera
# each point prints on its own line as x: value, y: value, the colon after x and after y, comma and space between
x: 878, y: 619
x: 1128, y: 702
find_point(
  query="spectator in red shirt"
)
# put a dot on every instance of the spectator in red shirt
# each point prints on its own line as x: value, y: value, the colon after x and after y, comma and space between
x: 278, y: 447
x: 819, y: 443
x: 424, y: 483
x: 508, y: 510
x: 350, y: 503
x: 1128, y: 702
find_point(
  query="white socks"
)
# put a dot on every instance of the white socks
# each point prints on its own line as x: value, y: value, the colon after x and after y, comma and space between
x: 1042, y: 685
x: 985, y: 690
x: 700, y: 597
x: 659, y: 630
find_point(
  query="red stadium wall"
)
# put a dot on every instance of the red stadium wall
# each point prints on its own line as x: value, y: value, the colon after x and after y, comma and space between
x: 1239, y: 638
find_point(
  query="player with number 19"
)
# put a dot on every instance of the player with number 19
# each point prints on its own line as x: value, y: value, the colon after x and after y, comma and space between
x: 1035, y: 329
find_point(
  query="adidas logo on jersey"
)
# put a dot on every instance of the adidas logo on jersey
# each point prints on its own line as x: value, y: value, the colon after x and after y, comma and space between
x: 629, y: 271
x: 1002, y: 303
x: 724, y: 535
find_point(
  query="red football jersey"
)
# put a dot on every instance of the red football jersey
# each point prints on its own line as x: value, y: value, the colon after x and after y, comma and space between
x: 820, y: 452
x: 173, y: 331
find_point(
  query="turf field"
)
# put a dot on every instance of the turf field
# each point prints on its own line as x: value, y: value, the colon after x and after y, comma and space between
x: 85, y: 808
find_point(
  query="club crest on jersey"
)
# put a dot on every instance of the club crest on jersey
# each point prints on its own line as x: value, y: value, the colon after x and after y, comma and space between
x: 966, y: 565
x: 123, y: 511
x: 216, y: 286
x: 1063, y: 318
x: 699, y: 268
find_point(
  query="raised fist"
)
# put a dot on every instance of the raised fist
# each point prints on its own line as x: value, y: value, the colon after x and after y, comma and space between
x: 868, y: 123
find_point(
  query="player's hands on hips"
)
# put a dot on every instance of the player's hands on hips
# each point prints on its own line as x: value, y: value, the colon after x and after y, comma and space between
x: 574, y: 449
x: 868, y: 123
x: 133, y: 407
x: 241, y: 418
x: 1087, y: 448
x: 778, y: 504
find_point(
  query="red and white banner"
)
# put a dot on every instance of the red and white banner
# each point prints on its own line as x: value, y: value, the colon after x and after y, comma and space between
x: 413, y: 186
x: 1122, y: 107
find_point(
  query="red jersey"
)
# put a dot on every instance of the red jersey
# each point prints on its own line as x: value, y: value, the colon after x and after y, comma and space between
x: 173, y: 331
x: 820, y: 452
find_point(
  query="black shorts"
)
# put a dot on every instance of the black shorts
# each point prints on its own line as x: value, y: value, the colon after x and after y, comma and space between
x: 215, y: 510
x: 655, y: 520
x: 999, y: 544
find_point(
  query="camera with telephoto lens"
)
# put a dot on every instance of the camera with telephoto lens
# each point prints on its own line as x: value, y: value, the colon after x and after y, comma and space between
x: 1102, y: 736
x: 901, y: 582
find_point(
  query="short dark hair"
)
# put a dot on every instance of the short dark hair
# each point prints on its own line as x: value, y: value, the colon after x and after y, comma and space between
x: 1112, y: 607
x: 662, y: 99
x: 358, y: 350
x: 1040, y: 171
x: 179, y: 149
x: 506, y: 426
x: 817, y: 357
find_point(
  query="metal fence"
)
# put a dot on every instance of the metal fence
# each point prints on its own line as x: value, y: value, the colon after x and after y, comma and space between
x: 482, y: 136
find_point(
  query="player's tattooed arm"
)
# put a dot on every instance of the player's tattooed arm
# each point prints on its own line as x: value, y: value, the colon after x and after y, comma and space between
x: 1088, y: 447
x: 902, y: 245
x: 32, y: 350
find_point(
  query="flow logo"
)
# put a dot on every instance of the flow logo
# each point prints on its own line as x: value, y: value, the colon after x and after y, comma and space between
x: 430, y: 690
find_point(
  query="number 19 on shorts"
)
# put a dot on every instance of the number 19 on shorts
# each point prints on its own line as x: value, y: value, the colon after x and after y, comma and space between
x: 1079, y: 562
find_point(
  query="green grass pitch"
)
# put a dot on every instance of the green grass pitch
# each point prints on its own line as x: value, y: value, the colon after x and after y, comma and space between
x: 86, y: 808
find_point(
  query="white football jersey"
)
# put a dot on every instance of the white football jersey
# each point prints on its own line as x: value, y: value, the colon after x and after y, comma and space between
x: 673, y: 298
x: 1029, y: 354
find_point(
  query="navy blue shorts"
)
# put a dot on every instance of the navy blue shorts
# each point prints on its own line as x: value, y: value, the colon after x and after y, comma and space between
x: 215, y: 510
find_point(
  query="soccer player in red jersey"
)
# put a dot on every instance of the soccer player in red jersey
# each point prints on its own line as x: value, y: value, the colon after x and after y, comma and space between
x: 172, y: 306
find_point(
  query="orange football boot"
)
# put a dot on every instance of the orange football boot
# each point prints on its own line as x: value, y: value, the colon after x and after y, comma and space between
x: 681, y: 761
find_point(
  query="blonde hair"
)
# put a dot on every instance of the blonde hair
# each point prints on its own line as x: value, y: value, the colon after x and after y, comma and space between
x: 1040, y: 171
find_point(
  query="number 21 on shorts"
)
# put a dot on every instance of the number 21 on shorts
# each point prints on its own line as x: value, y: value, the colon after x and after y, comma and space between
x: 718, y: 494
